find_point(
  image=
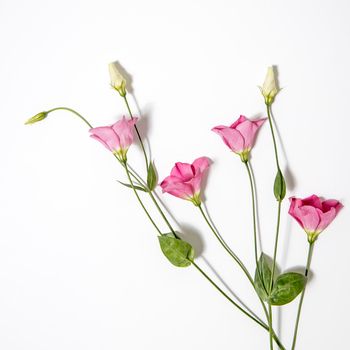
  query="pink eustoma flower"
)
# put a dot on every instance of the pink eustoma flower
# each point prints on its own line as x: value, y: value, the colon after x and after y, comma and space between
x: 240, y: 136
x: 117, y: 138
x: 185, y: 180
x: 314, y: 214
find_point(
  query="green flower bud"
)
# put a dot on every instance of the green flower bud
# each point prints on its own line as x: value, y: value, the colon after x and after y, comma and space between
x: 37, y: 118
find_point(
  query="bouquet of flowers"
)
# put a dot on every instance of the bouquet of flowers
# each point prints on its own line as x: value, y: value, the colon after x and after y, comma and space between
x: 312, y: 213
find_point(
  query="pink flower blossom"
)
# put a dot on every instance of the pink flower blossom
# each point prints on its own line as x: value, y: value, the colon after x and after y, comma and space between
x: 314, y: 214
x: 117, y: 138
x: 240, y: 136
x: 185, y: 180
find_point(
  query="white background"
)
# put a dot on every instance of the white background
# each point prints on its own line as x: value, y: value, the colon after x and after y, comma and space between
x: 80, y: 266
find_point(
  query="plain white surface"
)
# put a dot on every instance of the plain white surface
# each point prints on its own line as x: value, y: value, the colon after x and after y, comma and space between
x: 80, y: 266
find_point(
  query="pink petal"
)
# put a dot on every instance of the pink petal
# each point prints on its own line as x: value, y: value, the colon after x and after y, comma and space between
x: 196, y: 183
x: 295, y: 203
x: 125, y: 130
x: 331, y: 203
x: 107, y: 136
x: 326, y: 219
x: 231, y: 137
x: 309, y: 217
x: 240, y: 120
x: 183, y: 171
x: 201, y: 164
x: 176, y: 188
x: 248, y: 130
x: 313, y: 200
x: 259, y: 122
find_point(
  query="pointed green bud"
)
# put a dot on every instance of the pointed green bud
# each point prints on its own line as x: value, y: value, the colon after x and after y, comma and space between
x: 279, y: 187
x: 37, y: 118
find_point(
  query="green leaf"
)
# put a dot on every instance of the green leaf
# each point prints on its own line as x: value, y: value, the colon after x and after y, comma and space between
x: 178, y: 252
x: 279, y: 187
x: 263, y: 277
x: 139, y: 188
x: 286, y: 288
x: 151, y: 177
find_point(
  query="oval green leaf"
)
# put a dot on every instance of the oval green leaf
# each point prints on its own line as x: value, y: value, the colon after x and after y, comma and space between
x: 262, y: 277
x: 286, y: 288
x: 178, y: 252
x: 279, y: 187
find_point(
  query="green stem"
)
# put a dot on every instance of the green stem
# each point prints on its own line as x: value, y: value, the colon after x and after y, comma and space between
x: 225, y: 246
x: 308, y: 264
x: 254, y: 213
x: 139, y: 199
x: 143, y: 184
x: 132, y: 173
x: 242, y: 266
x: 268, y: 107
x: 249, y: 170
x: 270, y: 327
x: 161, y: 212
x: 262, y: 324
x: 72, y: 111
x: 137, y: 132
x: 274, y: 266
x: 276, y: 244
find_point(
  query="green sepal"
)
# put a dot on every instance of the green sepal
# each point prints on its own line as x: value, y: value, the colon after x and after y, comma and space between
x: 286, y: 288
x: 262, y: 277
x: 279, y: 187
x: 151, y: 177
x: 138, y: 188
x: 178, y: 252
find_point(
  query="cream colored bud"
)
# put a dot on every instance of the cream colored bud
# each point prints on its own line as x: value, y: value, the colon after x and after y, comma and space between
x: 269, y: 89
x: 37, y: 118
x: 118, y: 82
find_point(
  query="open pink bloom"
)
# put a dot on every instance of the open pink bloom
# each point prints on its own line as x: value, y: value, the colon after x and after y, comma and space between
x: 240, y: 136
x: 185, y: 180
x: 117, y: 137
x: 313, y: 214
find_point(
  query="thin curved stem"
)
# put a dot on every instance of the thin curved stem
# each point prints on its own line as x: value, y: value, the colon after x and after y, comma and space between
x: 72, y: 111
x: 262, y: 324
x: 308, y: 264
x: 274, y: 265
x: 276, y: 244
x: 143, y: 184
x: 253, y: 210
x: 225, y: 246
x: 137, y: 132
x: 268, y: 313
x: 268, y: 107
x: 270, y: 327
x: 139, y: 199
x: 131, y: 172
x: 161, y: 212
x: 241, y: 265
